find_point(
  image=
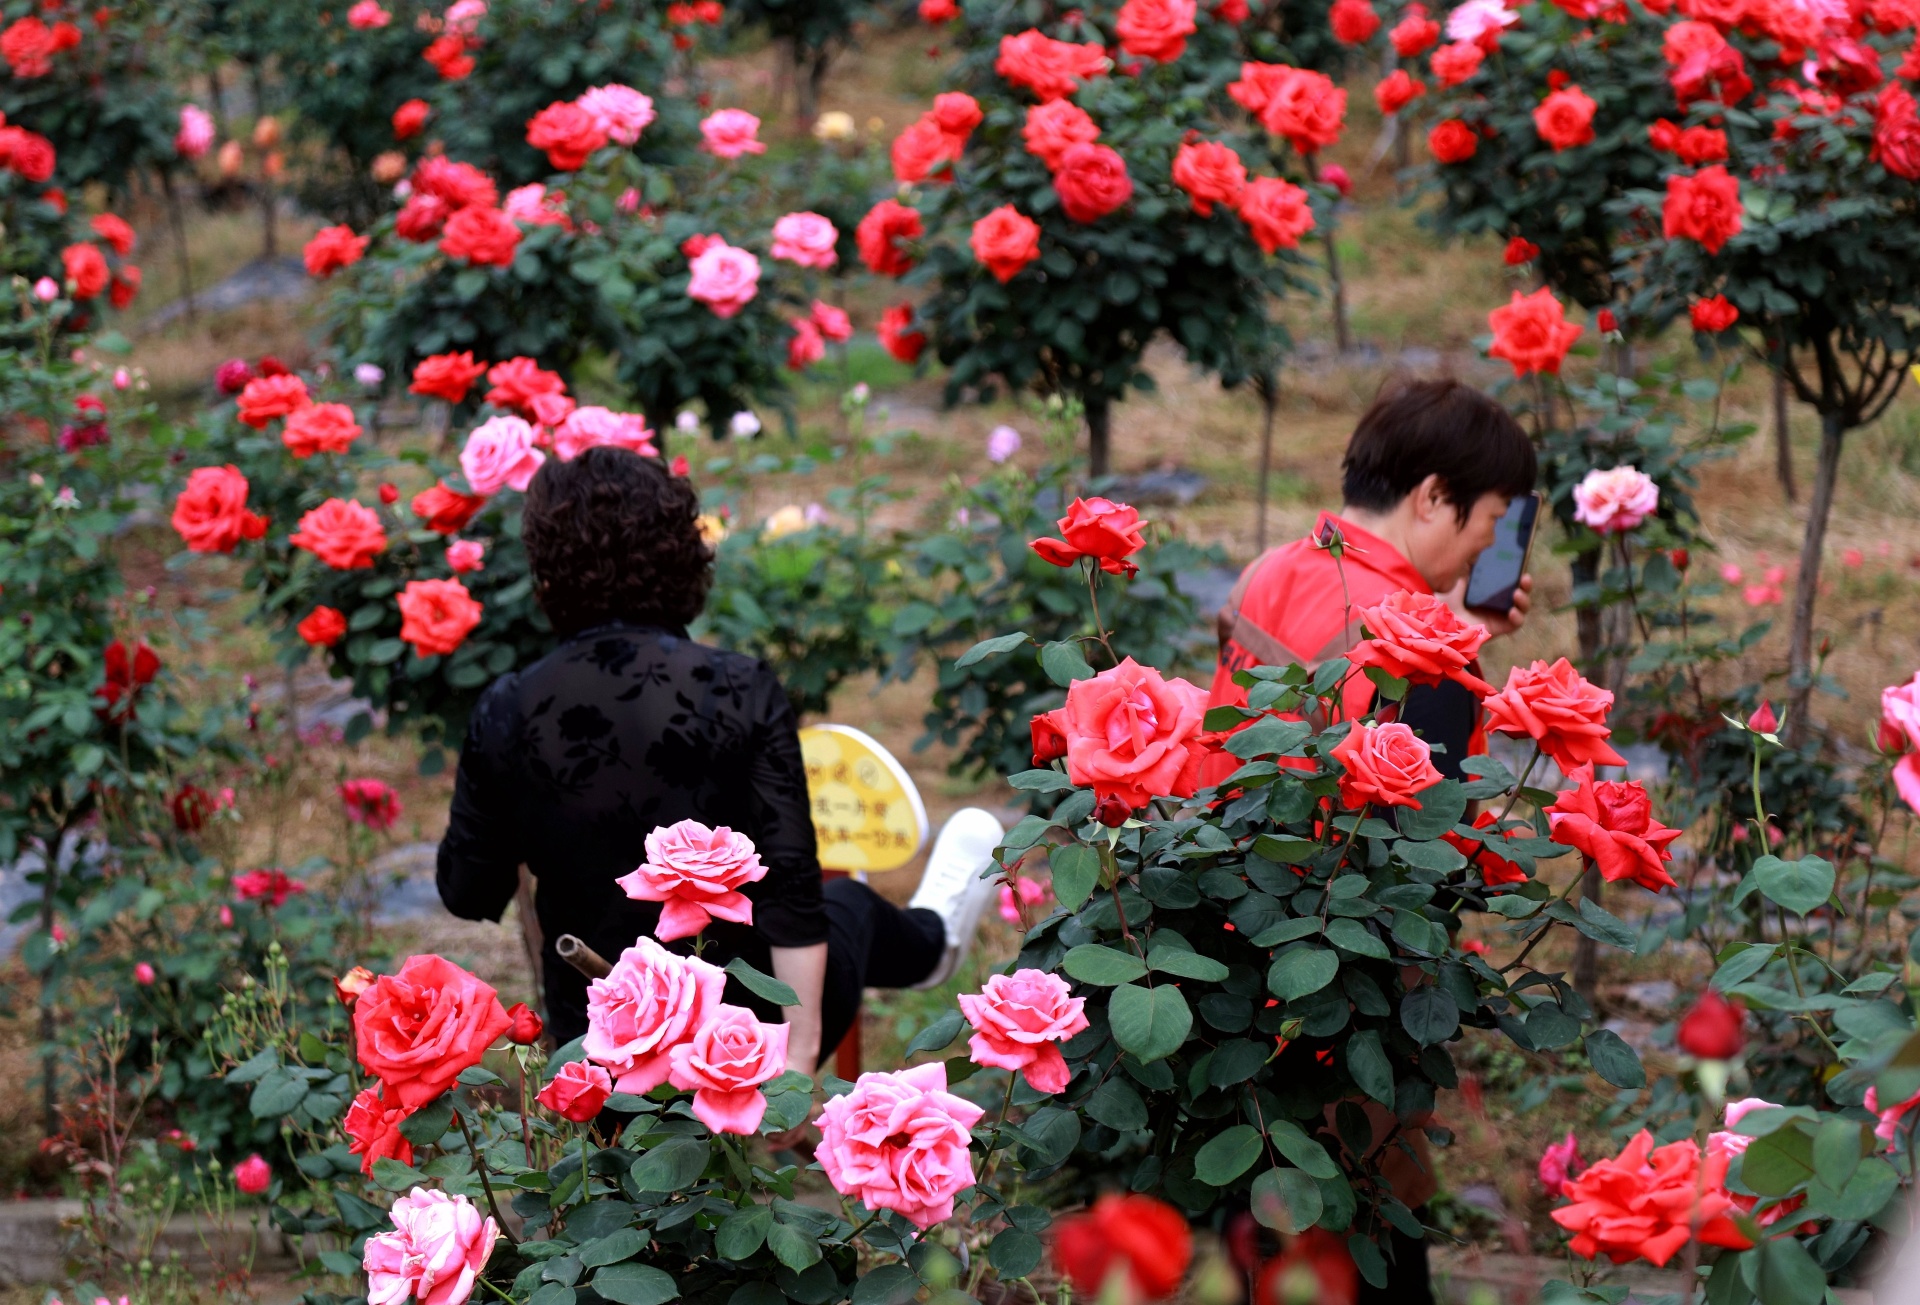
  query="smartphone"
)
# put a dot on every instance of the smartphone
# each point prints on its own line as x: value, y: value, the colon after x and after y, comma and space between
x: 1496, y: 572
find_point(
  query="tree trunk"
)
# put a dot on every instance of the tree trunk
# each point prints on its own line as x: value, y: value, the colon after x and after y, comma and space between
x: 1269, y: 389
x: 269, y: 244
x: 1586, y: 617
x: 1342, y: 339
x: 1806, y: 590
x: 1099, y: 434
x: 810, y: 83
x: 1783, y: 437
x: 179, y: 223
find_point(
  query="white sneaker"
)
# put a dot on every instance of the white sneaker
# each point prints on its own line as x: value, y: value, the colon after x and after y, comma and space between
x: 956, y: 885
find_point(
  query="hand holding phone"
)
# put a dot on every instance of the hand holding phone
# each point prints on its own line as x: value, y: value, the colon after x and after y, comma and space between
x: 1495, y: 577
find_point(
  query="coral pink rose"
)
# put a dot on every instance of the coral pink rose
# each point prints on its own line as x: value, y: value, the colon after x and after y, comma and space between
x: 1019, y: 1022
x: 485, y: 237
x: 435, y: 1253
x: 1565, y: 118
x: 1051, y: 69
x: 1005, y: 241
x: 1417, y: 637
x: 517, y: 382
x: 724, y: 278
x: 320, y: 428
x: 211, y: 513
x: 331, y: 249
x: 806, y: 239
x: 1648, y: 1202
x: 695, y: 873
x: 1054, y: 127
x: 1098, y: 528
x: 366, y: 15
x: 831, y: 322
x: 459, y: 185
x: 346, y: 535
x: 1092, y: 182
x: 1612, y: 824
x: 436, y: 616
x: 923, y: 150
x: 879, y: 233
x: 1414, y: 34
x: 1276, y: 213
x: 265, y: 397
x: 410, y: 118
x: 578, y: 1091
x: 1495, y: 870
x: 1385, y: 764
x: 724, y: 1063
x: 323, y: 627
x: 1452, y: 141
x: 650, y: 1003
x: 1557, y: 708
x: 445, y: 511
x: 373, y: 1130
x: 806, y: 347
x: 1155, y: 29
x: 594, y: 426
x: 567, y: 133
x: 1132, y: 734
x: 500, y: 454
x: 417, y: 1030
x: 465, y: 556
x: 1615, y: 500
x: 731, y: 133
x: 1210, y: 173
x: 1143, y: 1246
x: 1532, y: 332
x: 900, y: 1142
x: 622, y: 112
x: 446, y: 376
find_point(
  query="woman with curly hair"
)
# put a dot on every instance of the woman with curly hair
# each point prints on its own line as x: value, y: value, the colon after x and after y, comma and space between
x: 628, y: 726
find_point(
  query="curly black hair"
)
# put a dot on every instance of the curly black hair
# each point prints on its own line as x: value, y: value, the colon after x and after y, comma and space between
x: 613, y: 536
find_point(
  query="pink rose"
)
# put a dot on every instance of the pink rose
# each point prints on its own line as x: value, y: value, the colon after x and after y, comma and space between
x: 1560, y: 1164
x: 900, y: 1142
x: 1900, y: 734
x: 592, y: 426
x: 1133, y: 734
x: 434, y: 1254
x: 195, y: 136
x: 1615, y: 500
x: 651, y: 1003
x: 1019, y: 1022
x: 1476, y: 20
x: 805, y: 238
x: 695, y: 872
x: 253, y: 1175
x: 731, y: 133
x: 578, y: 1091
x: 724, y: 278
x: 1729, y: 1141
x: 725, y: 1063
x: 367, y: 15
x: 500, y: 453
x: 1887, y: 1130
x: 622, y: 112
x: 144, y: 974
x: 537, y: 206
x: 1385, y: 764
x: 464, y: 555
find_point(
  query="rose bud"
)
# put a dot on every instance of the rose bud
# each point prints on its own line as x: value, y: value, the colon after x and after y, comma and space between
x: 526, y: 1028
x: 1680, y: 559
x: 1112, y: 811
x: 1606, y: 322
x: 1714, y: 1029
x: 578, y: 1091
x: 350, y: 985
x: 1049, y: 740
x: 1763, y: 721
x: 389, y: 494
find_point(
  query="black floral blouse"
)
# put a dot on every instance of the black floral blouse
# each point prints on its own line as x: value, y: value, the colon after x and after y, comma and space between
x: 572, y: 762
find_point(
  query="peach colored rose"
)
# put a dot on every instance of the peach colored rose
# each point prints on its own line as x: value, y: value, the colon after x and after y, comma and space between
x: 346, y: 535
x: 499, y: 454
x: 900, y: 1142
x: 435, y: 1253
x: 1648, y: 1202
x: 695, y: 873
x: 436, y: 616
x: 1532, y: 332
x: 1611, y: 823
x: 650, y: 1003
x: 373, y: 1130
x: 1019, y: 1022
x: 1132, y: 734
x: 320, y: 428
x: 578, y: 1091
x: 1557, y: 708
x: 417, y: 1030
x: 1388, y: 765
x: 1417, y: 637
x: 1615, y: 500
x: 724, y: 1063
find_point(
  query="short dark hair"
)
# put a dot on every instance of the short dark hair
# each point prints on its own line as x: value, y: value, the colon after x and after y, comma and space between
x: 613, y: 536
x: 1436, y: 428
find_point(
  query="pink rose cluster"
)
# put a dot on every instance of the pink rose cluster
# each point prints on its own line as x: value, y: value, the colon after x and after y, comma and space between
x: 900, y: 1142
x: 594, y: 426
x: 434, y: 1255
x: 695, y: 873
x: 1019, y: 1022
x: 1615, y: 500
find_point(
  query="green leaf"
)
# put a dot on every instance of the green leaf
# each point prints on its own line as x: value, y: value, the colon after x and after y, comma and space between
x: 1798, y: 886
x: 1292, y: 1142
x: 392, y: 1176
x: 1185, y: 964
x: 1352, y: 936
x: 675, y: 1164
x: 1064, y: 663
x: 1117, y: 1105
x: 1440, y: 809
x: 937, y: 1036
x: 792, y: 1247
x: 1430, y: 1015
x: 1439, y: 856
x: 1014, y: 1254
x: 1743, y: 962
x: 1287, y: 1200
x: 890, y: 1284
x: 1149, y: 1022
x: 1271, y: 737
x: 763, y: 986
x: 1778, y: 1163
x: 1076, y: 873
x: 277, y: 1094
x: 613, y: 1248
x: 1787, y: 1275
x: 429, y: 1123
x: 1837, y: 1151
x: 740, y: 1235
x: 1103, y: 966
x: 990, y: 648
x: 1367, y: 1062
x: 1301, y: 971
x: 1614, y: 1060
x: 1227, y: 1155
x: 1602, y: 925
x: 635, y: 1284
x: 1873, y: 1184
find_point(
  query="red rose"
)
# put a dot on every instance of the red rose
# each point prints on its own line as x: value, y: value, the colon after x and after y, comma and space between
x: 331, y: 249
x: 1049, y: 740
x: 568, y: 134
x: 1414, y: 34
x: 1565, y: 118
x: 1353, y: 21
x: 1495, y: 870
x: 1605, y: 322
x: 1648, y: 1202
x: 526, y: 1027
x: 1699, y: 144
x: 458, y: 184
x: 517, y: 382
x: 446, y: 376
x: 1704, y: 207
x: 446, y: 511
x: 449, y: 57
x: 1276, y: 213
x: 1703, y: 65
x: 1305, y: 107
x: 211, y: 513
x: 1145, y: 1240
x: 1417, y: 637
x: 1098, y: 528
x: 86, y: 268
x: 345, y: 535
x: 1611, y: 823
x: 421, y: 218
x: 935, y: 12
x: 1452, y: 141
x: 1453, y: 64
x: 192, y: 807
x: 273, y: 887
x: 323, y: 627
x: 409, y: 119
x: 436, y: 615
x: 126, y: 284
x: 115, y: 231
x: 1397, y: 90
x: 373, y: 1130
x: 1532, y: 332
x: 1714, y: 1029
x: 896, y: 335
x: 879, y: 233
x: 1056, y: 126
x: 1210, y: 173
x: 124, y: 677
x: 417, y: 1030
x: 1005, y: 241
x: 1156, y: 29
x: 1315, y: 1266
x: 482, y: 236
x: 1233, y: 12
x: 957, y: 114
x: 1713, y: 315
x: 1384, y: 764
x: 1559, y: 710
x: 1520, y: 251
x: 1092, y: 182
x: 1132, y: 735
x: 1896, y: 132
x: 32, y: 156
x: 320, y: 428
x: 266, y: 397
x: 921, y: 150
x: 577, y: 1091
x: 1051, y: 69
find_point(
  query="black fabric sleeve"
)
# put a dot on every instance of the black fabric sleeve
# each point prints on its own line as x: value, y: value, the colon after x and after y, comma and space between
x: 787, y: 908
x: 480, y: 855
x: 1444, y: 714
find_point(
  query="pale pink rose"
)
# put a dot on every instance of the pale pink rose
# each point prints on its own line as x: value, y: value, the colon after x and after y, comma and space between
x: 577, y: 1092
x: 1558, y: 1164
x: 535, y: 206
x: 725, y: 1063
x: 622, y: 112
x: 805, y: 238
x: 1732, y: 574
x: 725, y: 279
x: 434, y: 1254
x: 1476, y: 18
x: 195, y: 136
x: 1615, y: 500
x: 46, y: 289
x: 463, y: 16
x: 1731, y: 1142
x: 1019, y: 1021
x: 500, y: 453
x: 366, y: 15
x: 900, y: 1142
x: 1015, y: 899
x: 695, y: 873
x: 592, y: 426
x: 464, y: 555
x: 649, y: 1004
x: 731, y: 133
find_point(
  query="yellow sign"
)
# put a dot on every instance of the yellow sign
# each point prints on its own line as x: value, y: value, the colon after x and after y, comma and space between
x: 867, y: 815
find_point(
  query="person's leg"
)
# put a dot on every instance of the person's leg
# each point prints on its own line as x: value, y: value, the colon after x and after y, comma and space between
x: 953, y: 887
x: 1409, y: 1279
x: 885, y: 946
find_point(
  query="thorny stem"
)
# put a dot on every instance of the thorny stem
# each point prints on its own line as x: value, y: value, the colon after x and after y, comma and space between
x: 1327, y: 900
x: 1090, y: 569
x: 480, y: 1163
